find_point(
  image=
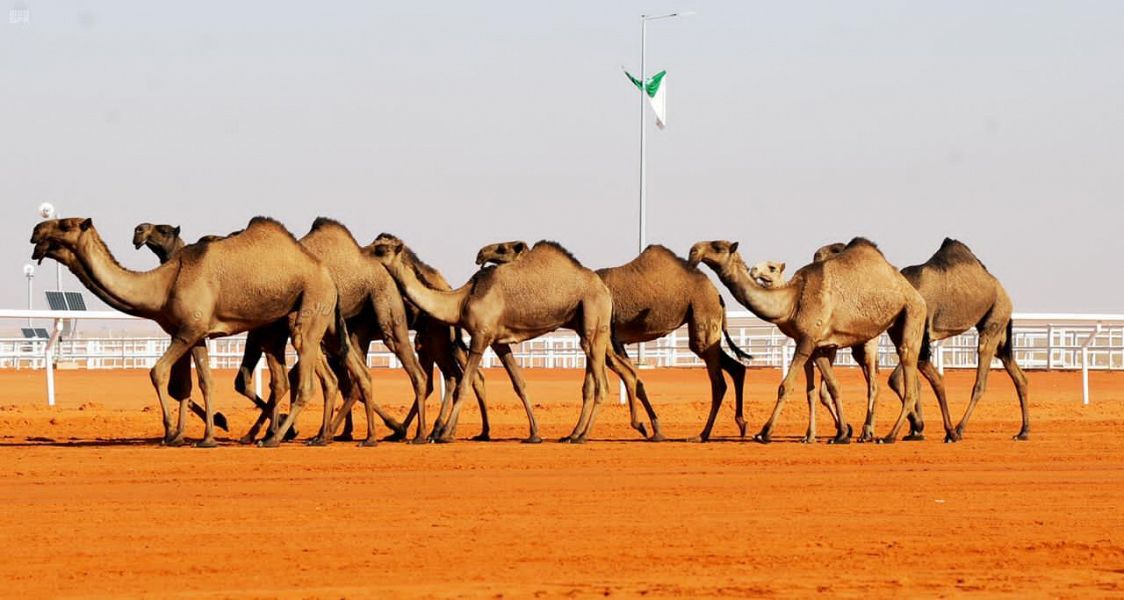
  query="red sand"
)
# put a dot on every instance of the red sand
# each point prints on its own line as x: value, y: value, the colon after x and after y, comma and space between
x: 90, y: 506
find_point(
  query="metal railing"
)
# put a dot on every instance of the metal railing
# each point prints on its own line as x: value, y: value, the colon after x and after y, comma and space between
x: 1053, y: 341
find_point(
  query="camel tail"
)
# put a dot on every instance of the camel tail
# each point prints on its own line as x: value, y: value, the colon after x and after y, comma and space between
x: 925, y: 352
x: 1007, y: 347
x: 618, y: 347
x: 458, y: 340
x: 729, y: 340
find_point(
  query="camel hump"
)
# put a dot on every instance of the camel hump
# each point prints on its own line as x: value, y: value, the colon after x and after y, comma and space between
x: 953, y: 253
x: 322, y: 222
x: 860, y: 241
x: 550, y: 245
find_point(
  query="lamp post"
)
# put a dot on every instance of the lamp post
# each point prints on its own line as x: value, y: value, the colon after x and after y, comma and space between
x: 642, y: 238
x: 47, y: 211
x: 29, y: 273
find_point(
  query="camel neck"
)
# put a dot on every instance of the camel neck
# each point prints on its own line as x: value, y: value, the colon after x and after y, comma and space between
x: 444, y: 306
x: 163, y: 253
x: 84, y: 276
x: 774, y: 305
x: 144, y: 294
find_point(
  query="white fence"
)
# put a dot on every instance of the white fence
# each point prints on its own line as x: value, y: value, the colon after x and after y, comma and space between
x: 1042, y: 341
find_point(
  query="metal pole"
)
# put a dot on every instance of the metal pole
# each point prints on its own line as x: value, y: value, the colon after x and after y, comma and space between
x: 643, y: 157
x: 29, y: 296
x: 58, y: 277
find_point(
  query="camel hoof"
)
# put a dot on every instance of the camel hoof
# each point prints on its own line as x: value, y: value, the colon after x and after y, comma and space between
x: 395, y: 436
x: 221, y: 422
x: 246, y: 440
x: 865, y: 438
x: 291, y: 434
x: 840, y: 440
x: 566, y: 440
x: 368, y: 443
x: 269, y: 443
x: 483, y: 437
x: 419, y: 440
x: 887, y: 440
x: 656, y: 437
x: 205, y: 443
x: 763, y: 438
x: 317, y: 441
x: 697, y: 439
x: 914, y: 437
x: 175, y: 442
x: 1022, y: 436
x: 534, y: 439
x: 951, y: 437
x: 741, y: 428
x: 578, y: 440
x: 443, y: 440
x: 641, y: 428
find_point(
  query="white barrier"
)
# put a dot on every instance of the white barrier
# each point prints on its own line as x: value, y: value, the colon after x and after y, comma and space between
x: 1054, y: 341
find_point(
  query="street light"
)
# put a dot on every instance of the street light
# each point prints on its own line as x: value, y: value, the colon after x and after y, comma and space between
x: 29, y: 273
x: 643, y: 100
x: 47, y: 211
x: 643, y: 146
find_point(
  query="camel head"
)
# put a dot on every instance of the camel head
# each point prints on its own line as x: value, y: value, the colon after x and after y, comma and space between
x: 163, y: 236
x: 826, y: 252
x: 768, y: 273
x: 503, y: 252
x: 64, y: 233
x: 714, y: 254
x: 386, y: 248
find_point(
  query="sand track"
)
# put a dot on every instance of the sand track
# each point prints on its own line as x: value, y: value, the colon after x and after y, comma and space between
x: 89, y: 506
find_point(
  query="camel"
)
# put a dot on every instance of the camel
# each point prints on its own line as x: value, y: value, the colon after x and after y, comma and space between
x: 771, y: 274
x: 653, y: 295
x: 545, y: 290
x: 214, y: 289
x: 959, y: 293
x: 841, y: 302
x: 440, y: 344
x: 164, y: 241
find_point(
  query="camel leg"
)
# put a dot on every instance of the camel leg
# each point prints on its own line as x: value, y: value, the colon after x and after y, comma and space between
x: 452, y: 359
x: 507, y: 358
x: 159, y: 375
x: 587, y: 397
x: 634, y: 389
x: 736, y: 371
x: 843, y: 429
x: 706, y: 343
x: 599, y: 349
x: 308, y: 359
x: 206, y: 386
x: 907, y: 334
x: 868, y: 362
x: 361, y: 338
x: 398, y: 341
x: 1006, y: 354
x: 788, y: 385
x: 810, y: 391
x: 915, y: 416
x: 425, y: 362
x: 825, y: 394
x: 989, y: 342
x: 474, y: 357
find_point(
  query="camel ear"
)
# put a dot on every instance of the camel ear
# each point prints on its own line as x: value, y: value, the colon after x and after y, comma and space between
x: 782, y: 266
x: 176, y: 230
x: 733, y: 247
x: 88, y: 223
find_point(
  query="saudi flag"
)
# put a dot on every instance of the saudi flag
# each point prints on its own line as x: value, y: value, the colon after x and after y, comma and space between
x: 656, y: 90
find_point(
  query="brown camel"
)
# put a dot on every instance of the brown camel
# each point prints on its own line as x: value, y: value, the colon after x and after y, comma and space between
x: 653, y: 295
x: 841, y: 302
x: 961, y: 294
x: 440, y: 344
x: 771, y: 274
x: 164, y: 241
x: 545, y: 290
x: 192, y: 297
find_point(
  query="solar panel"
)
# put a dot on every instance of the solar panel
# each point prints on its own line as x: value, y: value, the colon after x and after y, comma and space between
x: 41, y: 333
x: 75, y: 301
x: 28, y: 332
x: 56, y: 301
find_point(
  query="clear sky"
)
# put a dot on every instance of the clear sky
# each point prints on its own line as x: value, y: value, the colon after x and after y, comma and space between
x: 456, y: 124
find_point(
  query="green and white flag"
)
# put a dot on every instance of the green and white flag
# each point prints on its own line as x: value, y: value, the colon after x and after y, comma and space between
x: 656, y: 90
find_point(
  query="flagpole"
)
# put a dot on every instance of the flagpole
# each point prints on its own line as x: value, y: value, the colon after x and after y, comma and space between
x: 643, y: 156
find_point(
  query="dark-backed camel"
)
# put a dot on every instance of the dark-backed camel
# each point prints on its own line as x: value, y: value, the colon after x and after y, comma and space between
x: 546, y: 290
x: 654, y: 294
x: 841, y: 302
x: 961, y: 294
x: 215, y: 289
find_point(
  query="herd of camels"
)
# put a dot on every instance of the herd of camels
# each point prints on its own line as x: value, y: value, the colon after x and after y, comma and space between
x: 330, y: 297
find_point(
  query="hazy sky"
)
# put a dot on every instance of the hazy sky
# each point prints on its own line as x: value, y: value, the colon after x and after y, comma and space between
x: 456, y: 124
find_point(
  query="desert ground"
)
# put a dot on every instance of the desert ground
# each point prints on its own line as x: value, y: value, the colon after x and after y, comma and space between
x: 92, y: 506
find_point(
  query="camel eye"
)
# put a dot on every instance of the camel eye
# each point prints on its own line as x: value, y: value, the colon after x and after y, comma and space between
x: 501, y: 250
